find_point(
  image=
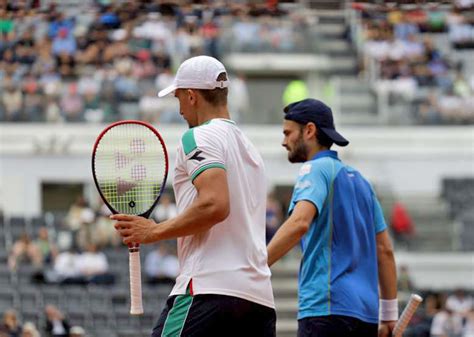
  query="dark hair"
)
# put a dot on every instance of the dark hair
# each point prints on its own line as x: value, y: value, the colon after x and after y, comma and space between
x: 321, y: 137
x: 217, y: 96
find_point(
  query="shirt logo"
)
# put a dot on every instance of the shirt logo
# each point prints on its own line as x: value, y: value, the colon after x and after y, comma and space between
x: 196, y: 156
x: 301, y: 185
x: 305, y: 169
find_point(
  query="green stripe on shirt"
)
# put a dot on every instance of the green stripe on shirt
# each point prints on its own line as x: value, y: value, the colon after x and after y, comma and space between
x: 205, y: 167
x: 189, y: 142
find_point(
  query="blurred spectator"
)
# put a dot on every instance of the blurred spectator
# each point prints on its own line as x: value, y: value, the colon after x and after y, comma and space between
x: 6, y: 22
x: 65, y: 268
x: 10, y: 325
x: 78, y: 213
x: 423, y: 318
x: 461, y: 86
x: 404, y: 28
x: 59, y: 23
x: 273, y: 216
x: 25, y: 250
x: 93, y: 266
x: 56, y: 324
x: 451, y: 107
x: 29, y: 330
x: 460, y: 303
x: 12, y: 101
x: 86, y: 233
x: 33, y: 101
x: 401, y: 225
x: 404, y: 280
x: 166, y: 208
x: 72, y: 104
x: 210, y: 33
x: 77, y: 331
x: 92, y: 110
x: 52, y: 110
x: 162, y: 265
x: 48, y: 249
x: 460, y: 31
x: 125, y: 85
x: 469, y: 325
x: 63, y: 43
x: 446, y: 324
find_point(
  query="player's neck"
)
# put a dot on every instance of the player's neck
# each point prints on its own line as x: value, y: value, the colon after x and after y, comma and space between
x: 314, y: 150
x: 210, y: 112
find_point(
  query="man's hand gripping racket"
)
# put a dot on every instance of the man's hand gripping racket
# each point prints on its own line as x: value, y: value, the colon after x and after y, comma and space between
x: 406, y: 315
x: 130, y: 166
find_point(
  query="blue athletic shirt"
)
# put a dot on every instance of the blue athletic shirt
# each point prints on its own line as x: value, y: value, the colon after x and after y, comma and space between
x: 338, y: 272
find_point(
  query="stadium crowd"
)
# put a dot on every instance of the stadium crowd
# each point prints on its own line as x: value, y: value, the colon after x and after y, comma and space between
x: 409, y: 63
x: 105, y: 62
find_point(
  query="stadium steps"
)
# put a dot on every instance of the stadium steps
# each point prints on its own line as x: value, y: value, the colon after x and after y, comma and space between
x: 327, y: 4
x: 357, y: 103
x: 327, y: 16
x: 434, y: 230
x: 336, y: 47
x: 286, y: 327
x: 342, y: 65
x: 285, y: 289
x: 331, y: 30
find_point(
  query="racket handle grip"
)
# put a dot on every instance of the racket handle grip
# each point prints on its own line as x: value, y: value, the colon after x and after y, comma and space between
x: 136, y: 307
x: 406, y: 315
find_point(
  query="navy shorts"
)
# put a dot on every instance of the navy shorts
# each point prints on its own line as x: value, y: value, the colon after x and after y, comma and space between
x: 335, y: 326
x: 214, y: 316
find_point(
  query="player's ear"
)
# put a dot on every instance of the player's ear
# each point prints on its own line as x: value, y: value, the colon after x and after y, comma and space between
x: 310, y: 130
x: 192, y: 96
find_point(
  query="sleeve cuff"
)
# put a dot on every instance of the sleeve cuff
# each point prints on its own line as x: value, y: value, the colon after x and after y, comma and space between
x: 205, y: 167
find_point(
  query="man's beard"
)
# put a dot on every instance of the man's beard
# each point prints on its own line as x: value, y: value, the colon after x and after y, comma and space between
x: 299, y: 153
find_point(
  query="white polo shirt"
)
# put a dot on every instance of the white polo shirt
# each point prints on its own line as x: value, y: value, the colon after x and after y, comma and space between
x: 230, y: 258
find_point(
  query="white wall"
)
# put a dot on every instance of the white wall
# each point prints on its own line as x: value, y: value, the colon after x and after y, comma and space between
x: 438, y: 271
x: 409, y: 160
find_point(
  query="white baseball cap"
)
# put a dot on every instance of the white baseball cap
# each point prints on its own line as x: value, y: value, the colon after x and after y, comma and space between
x: 198, y: 72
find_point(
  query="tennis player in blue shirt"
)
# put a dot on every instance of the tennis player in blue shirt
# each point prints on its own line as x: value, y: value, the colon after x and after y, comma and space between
x: 335, y: 215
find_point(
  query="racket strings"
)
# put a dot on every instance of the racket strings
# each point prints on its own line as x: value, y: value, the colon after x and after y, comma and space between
x: 130, y: 167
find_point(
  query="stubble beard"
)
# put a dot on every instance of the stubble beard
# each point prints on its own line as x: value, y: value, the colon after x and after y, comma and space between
x: 299, y: 152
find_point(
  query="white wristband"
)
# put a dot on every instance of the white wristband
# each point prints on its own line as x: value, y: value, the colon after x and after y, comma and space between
x: 389, y: 310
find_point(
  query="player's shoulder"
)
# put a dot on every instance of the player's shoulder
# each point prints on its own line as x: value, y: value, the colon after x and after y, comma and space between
x: 320, y: 164
x: 188, y: 141
x: 207, y: 133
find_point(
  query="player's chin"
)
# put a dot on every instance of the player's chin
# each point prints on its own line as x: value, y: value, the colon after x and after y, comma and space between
x: 292, y: 158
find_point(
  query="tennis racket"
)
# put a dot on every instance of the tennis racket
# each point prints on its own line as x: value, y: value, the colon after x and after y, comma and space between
x: 407, y: 314
x: 130, y: 166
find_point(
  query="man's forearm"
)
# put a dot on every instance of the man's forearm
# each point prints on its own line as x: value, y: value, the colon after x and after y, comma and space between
x: 284, y: 240
x: 387, y: 275
x: 199, y: 217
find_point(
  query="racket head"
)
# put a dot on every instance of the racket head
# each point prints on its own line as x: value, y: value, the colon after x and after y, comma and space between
x: 130, y: 167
